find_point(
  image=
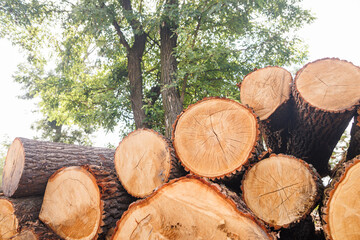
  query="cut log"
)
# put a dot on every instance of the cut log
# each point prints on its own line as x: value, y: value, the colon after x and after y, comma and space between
x: 83, y: 202
x: 30, y: 163
x: 216, y: 137
x: 144, y: 160
x: 35, y: 231
x: 354, y: 146
x: 341, y: 205
x: 268, y: 92
x: 325, y: 93
x: 188, y: 208
x: 281, y: 190
x: 21, y: 213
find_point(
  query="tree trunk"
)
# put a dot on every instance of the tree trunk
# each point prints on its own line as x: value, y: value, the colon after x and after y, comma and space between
x: 188, y: 208
x: 135, y: 55
x: 144, y: 160
x: 20, y: 215
x: 217, y: 137
x: 83, y: 202
x: 281, y: 190
x: 170, y: 94
x: 29, y: 164
x: 325, y: 93
x: 341, y: 208
x: 354, y: 146
x: 268, y: 92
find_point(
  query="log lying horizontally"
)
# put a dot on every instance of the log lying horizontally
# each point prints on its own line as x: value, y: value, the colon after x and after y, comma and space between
x: 83, y: 202
x: 281, y: 190
x: 267, y: 91
x: 326, y: 93
x: 188, y: 208
x: 144, y: 160
x: 19, y: 214
x: 341, y: 205
x: 216, y: 137
x: 30, y: 163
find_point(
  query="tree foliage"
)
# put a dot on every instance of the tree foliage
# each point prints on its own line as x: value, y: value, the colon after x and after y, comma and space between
x: 94, y: 63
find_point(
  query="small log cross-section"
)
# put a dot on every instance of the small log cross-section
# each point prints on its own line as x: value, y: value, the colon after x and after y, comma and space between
x: 216, y: 137
x: 341, y: 205
x: 326, y: 93
x: 83, y: 202
x: 19, y: 214
x: 281, y: 190
x: 30, y: 163
x: 144, y: 160
x: 267, y: 91
x: 185, y: 209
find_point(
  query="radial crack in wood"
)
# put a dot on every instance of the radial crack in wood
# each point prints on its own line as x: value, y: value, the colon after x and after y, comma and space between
x: 188, y: 208
x: 281, y: 190
x: 216, y: 137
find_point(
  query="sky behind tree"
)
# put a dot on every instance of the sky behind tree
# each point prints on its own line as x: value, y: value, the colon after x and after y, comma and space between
x: 333, y: 34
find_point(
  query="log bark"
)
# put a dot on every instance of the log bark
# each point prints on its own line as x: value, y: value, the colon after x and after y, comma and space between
x: 341, y: 207
x: 354, y: 146
x: 188, y: 208
x: 83, y: 202
x: 144, y: 160
x: 19, y: 214
x: 281, y: 190
x: 216, y: 137
x: 268, y: 92
x: 30, y: 163
x: 325, y: 94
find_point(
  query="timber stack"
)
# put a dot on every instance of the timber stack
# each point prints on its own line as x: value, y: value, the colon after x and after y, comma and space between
x: 249, y: 170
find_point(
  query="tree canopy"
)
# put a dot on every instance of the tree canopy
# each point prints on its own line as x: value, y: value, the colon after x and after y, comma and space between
x: 95, y: 63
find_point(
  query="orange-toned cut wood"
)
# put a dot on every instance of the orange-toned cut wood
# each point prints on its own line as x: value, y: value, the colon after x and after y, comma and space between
x: 83, y: 202
x: 185, y: 209
x: 265, y: 89
x: 281, y: 190
x: 8, y: 222
x: 216, y: 137
x: 329, y: 84
x: 341, y: 205
x: 144, y: 160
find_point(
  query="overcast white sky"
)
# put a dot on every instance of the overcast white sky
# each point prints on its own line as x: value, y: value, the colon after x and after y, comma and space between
x: 335, y: 33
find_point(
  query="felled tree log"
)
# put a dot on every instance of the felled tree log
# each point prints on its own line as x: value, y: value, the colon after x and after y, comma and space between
x: 326, y: 93
x: 188, y: 208
x: 30, y: 163
x: 35, y: 231
x: 281, y: 190
x: 144, y: 160
x: 268, y: 92
x: 341, y: 205
x: 83, y: 202
x: 216, y: 137
x: 354, y: 146
x: 22, y: 213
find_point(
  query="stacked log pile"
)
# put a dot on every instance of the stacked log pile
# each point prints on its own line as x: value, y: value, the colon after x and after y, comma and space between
x: 231, y: 171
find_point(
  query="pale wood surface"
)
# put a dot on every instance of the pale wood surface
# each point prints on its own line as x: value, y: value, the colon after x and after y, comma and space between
x: 280, y: 190
x: 330, y: 84
x: 265, y: 90
x: 215, y: 137
x: 8, y: 222
x: 187, y: 209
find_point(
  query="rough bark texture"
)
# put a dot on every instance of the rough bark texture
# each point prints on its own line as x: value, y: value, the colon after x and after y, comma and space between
x: 144, y: 160
x: 113, y: 201
x: 340, y: 207
x: 170, y: 94
x: 268, y: 92
x: 217, y: 137
x: 41, y: 159
x: 189, y: 208
x: 281, y: 190
x: 316, y: 131
x: 36, y: 230
x: 25, y: 216
x: 354, y: 146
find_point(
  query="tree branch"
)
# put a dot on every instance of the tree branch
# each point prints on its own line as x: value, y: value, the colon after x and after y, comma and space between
x: 121, y: 35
